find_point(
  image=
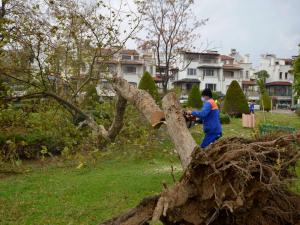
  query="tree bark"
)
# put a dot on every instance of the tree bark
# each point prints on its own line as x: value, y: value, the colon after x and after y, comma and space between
x: 117, y: 123
x: 141, y: 99
x: 180, y: 135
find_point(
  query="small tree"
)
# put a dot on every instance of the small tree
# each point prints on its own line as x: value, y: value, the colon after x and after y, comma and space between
x: 235, y: 101
x: 262, y: 75
x: 147, y: 83
x: 194, y: 99
x: 265, y: 101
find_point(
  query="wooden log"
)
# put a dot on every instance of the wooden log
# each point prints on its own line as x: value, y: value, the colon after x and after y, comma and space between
x: 141, y: 99
x: 180, y: 135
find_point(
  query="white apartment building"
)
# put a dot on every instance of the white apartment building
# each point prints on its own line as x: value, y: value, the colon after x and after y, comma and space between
x: 128, y: 63
x: 248, y: 77
x: 202, y: 69
x: 207, y: 70
x: 279, y: 83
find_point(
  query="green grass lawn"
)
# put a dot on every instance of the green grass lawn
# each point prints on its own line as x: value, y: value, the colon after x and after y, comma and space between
x: 59, y: 193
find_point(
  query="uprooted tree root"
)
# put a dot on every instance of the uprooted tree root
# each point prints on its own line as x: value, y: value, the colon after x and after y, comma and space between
x: 234, y: 181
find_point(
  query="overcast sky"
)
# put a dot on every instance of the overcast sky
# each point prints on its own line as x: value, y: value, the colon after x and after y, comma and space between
x: 251, y: 26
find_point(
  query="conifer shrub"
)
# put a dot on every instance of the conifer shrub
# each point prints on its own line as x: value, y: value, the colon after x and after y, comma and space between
x: 224, y: 118
x: 147, y: 83
x: 265, y: 101
x: 194, y: 98
x: 235, y: 101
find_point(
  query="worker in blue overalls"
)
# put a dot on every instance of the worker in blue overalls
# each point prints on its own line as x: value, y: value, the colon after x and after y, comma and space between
x: 209, y: 115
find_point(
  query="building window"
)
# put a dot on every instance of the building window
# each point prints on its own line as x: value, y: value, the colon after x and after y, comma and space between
x: 212, y: 87
x: 286, y: 76
x: 126, y: 57
x: 151, y: 70
x: 136, y: 57
x: 229, y: 74
x: 129, y: 69
x: 191, y: 71
x: 247, y: 74
x: 208, y: 72
x: 280, y: 75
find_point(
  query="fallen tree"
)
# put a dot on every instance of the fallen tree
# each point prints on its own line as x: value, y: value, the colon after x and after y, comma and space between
x: 234, y: 181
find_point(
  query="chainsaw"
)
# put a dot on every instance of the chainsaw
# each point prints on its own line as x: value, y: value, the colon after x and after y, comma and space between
x: 189, y: 119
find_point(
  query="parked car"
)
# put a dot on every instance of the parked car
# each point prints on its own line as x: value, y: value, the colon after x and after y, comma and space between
x: 295, y: 107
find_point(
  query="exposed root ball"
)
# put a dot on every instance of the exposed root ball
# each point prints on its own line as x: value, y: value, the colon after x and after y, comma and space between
x: 234, y: 181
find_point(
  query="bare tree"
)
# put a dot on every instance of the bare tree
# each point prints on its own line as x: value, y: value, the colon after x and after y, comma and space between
x: 171, y: 26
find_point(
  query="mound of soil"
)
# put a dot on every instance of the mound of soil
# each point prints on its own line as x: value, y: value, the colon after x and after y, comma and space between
x: 233, y: 182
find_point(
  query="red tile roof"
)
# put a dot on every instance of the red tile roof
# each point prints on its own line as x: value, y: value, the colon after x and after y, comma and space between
x: 279, y: 83
x: 249, y: 82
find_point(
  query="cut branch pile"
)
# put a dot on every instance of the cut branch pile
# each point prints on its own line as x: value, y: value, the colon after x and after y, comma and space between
x: 234, y: 181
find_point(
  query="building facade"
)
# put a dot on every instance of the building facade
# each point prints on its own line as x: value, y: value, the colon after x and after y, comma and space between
x: 249, y: 85
x: 210, y: 70
x: 207, y: 70
x: 280, y: 80
x: 128, y: 63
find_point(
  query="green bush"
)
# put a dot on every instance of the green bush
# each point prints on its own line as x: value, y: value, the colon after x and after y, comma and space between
x: 24, y: 135
x: 147, y: 83
x: 235, y: 101
x: 224, y: 118
x: 194, y: 98
x: 265, y: 102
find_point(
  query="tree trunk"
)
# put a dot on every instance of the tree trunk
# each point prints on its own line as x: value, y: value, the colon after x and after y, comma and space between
x: 141, y: 99
x: 117, y: 123
x: 180, y: 135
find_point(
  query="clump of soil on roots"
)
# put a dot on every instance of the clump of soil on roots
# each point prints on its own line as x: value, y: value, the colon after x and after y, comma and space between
x: 234, y: 181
